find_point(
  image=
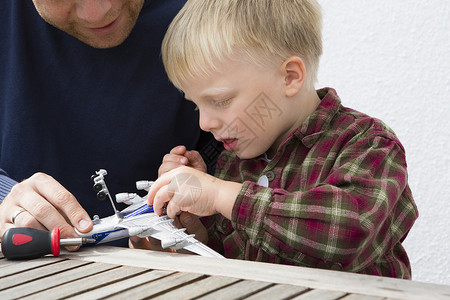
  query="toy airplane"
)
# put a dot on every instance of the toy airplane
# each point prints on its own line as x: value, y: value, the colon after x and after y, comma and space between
x: 138, y: 219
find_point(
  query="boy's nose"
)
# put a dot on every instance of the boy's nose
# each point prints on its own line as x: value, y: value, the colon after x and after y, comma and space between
x: 208, y: 122
x: 93, y: 11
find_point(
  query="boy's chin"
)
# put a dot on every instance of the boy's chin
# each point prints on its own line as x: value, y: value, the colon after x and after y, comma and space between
x: 248, y: 154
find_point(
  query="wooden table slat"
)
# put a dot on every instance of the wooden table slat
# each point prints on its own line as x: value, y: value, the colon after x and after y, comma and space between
x: 112, y: 280
x: 361, y: 297
x: 198, y: 288
x: 279, y: 291
x: 320, y: 294
x: 238, y: 290
x: 6, y: 262
x: 153, y: 288
x: 37, y: 273
x: 114, y: 286
x: 17, y: 266
x: 56, y: 280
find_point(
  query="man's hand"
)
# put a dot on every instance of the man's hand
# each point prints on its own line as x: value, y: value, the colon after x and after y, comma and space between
x: 178, y: 157
x: 46, y: 204
x: 186, y: 220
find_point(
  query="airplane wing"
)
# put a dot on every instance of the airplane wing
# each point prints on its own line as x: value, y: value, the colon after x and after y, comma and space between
x: 162, y: 228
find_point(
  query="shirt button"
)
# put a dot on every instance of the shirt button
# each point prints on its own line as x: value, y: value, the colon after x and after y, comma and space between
x: 270, y: 175
x: 263, y: 181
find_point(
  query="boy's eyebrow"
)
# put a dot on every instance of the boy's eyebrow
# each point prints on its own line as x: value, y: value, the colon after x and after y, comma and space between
x: 214, y: 92
x: 210, y: 93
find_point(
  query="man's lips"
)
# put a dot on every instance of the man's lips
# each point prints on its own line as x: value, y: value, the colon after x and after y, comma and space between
x: 107, y: 28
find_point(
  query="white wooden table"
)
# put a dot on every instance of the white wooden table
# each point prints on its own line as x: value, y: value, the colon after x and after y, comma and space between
x: 119, y: 273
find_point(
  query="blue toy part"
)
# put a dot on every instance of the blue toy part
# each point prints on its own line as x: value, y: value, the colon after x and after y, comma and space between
x: 139, y: 211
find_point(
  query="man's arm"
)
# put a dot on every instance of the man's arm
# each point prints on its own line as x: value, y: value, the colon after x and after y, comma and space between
x: 6, y: 184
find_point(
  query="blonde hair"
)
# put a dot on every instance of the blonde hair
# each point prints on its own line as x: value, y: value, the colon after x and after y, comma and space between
x: 263, y: 32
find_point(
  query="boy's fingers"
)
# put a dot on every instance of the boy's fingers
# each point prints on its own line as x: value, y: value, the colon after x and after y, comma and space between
x: 169, y: 166
x: 174, y: 158
x: 163, y: 180
x: 172, y: 210
x: 193, y: 225
x: 172, y: 161
x: 139, y: 243
x: 148, y: 243
x: 195, y: 160
x: 162, y: 196
x: 193, y: 155
x: 178, y: 150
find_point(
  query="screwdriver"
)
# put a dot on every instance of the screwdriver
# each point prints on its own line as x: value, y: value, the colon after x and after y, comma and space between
x: 27, y: 243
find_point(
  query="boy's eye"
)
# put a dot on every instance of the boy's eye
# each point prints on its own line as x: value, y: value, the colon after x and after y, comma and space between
x: 222, y: 103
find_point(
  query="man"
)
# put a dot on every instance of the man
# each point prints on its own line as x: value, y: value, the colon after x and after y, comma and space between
x: 82, y: 88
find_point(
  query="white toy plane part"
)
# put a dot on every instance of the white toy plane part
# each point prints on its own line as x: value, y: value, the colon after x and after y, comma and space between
x: 138, y: 219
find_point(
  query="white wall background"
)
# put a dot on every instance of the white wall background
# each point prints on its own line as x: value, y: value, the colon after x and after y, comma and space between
x: 396, y: 54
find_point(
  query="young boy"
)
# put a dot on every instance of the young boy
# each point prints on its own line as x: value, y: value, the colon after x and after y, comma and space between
x: 304, y: 180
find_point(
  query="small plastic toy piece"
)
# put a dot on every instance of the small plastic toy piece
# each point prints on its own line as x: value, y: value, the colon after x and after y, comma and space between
x: 138, y: 219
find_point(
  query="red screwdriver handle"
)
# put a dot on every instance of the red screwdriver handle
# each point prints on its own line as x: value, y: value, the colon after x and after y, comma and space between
x: 27, y: 243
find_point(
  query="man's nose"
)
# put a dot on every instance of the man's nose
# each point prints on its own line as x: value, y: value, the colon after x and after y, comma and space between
x: 93, y: 11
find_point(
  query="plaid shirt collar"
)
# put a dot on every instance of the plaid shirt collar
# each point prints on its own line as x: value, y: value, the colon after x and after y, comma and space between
x: 319, y: 121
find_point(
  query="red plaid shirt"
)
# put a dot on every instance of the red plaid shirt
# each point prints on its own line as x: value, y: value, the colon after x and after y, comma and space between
x: 338, y: 197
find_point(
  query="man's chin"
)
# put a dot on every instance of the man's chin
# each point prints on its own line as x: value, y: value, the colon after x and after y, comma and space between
x: 102, y: 43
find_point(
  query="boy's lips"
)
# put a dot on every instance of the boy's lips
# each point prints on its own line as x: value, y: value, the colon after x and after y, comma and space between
x: 229, y: 144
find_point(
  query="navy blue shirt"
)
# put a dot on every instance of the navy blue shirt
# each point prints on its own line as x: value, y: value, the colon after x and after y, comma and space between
x: 68, y: 109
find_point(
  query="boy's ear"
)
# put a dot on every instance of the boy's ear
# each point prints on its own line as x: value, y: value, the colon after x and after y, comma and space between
x: 294, y: 72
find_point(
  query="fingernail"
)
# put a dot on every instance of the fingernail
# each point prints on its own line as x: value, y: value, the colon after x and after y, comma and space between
x: 84, y: 224
x: 184, y: 160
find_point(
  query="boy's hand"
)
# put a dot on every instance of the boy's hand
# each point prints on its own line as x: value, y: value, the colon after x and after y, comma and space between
x: 187, y: 189
x: 178, y: 157
x: 186, y: 220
